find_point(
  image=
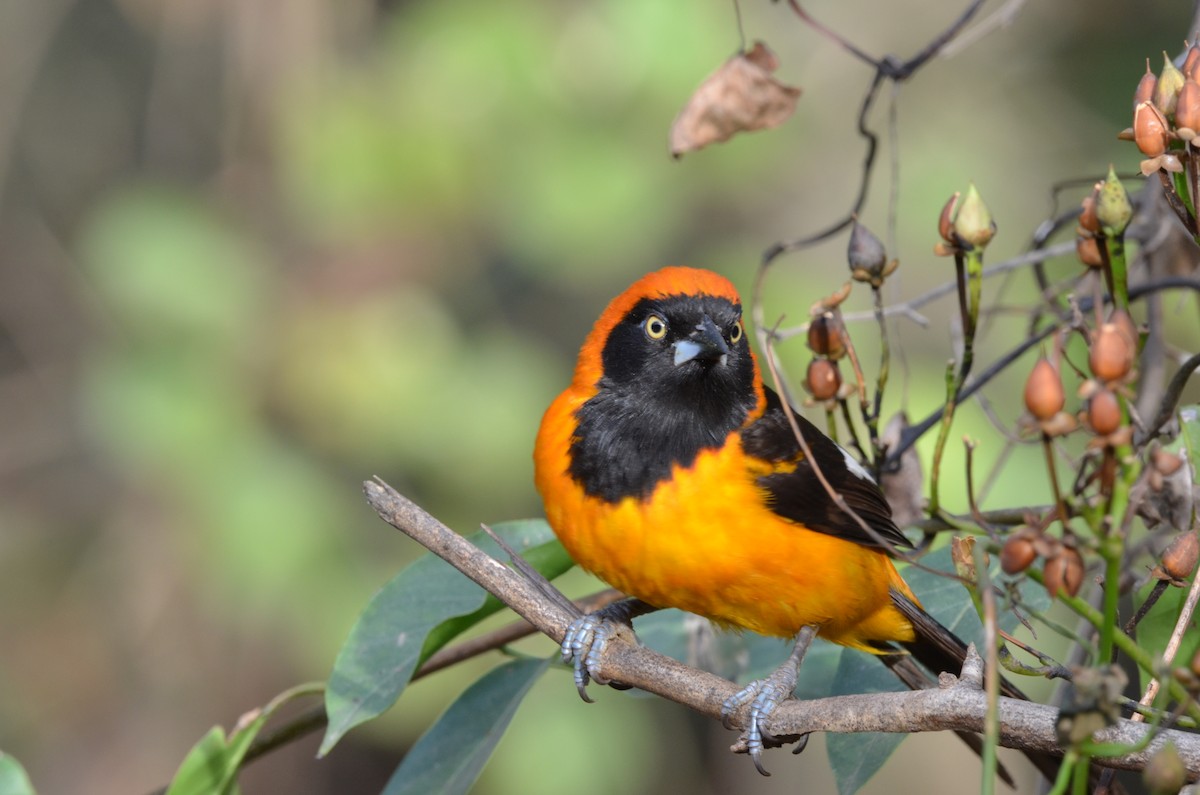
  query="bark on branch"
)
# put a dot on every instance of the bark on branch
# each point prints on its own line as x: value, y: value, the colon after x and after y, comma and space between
x: 959, y: 704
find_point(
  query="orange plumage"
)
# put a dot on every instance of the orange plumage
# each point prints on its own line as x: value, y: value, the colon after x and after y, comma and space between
x: 715, y: 526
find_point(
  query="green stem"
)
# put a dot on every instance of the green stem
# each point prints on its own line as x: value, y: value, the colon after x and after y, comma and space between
x: 881, y: 379
x: 1120, y: 271
x: 1065, y: 773
x: 935, y: 468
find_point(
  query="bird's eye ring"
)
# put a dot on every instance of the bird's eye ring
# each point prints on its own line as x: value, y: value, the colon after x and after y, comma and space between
x: 735, y: 333
x: 655, y: 327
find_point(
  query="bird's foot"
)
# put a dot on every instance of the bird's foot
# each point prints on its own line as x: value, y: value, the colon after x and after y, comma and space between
x: 587, y: 636
x: 764, y: 696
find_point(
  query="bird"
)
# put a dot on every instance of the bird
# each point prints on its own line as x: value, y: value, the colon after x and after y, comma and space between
x: 668, y: 469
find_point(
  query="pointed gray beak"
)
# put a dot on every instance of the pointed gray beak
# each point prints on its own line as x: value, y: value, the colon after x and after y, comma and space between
x: 705, y: 344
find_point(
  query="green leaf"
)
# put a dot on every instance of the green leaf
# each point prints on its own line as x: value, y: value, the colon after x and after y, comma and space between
x: 737, y: 656
x: 449, y: 756
x: 13, y: 779
x: 856, y: 757
x: 414, y: 615
x: 1155, y: 629
x: 211, y: 767
x: 204, y: 769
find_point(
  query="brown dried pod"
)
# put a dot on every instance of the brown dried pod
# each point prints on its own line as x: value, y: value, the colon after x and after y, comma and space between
x: 824, y: 379
x: 1112, y: 352
x: 1165, y: 462
x: 1103, y: 412
x: 1018, y: 553
x: 824, y: 337
x: 1150, y: 130
x: 1165, y: 773
x: 1196, y: 663
x: 1179, y: 558
x: 1124, y: 323
x: 1044, y: 396
x: 1187, y: 111
x: 1189, y: 61
x: 1087, y: 212
x: 1145, y: 87
x: 1088, y: 251
x: 1064, y: 572
x: 946, y: 220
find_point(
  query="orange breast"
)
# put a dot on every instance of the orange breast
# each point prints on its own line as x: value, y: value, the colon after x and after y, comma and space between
x: 706, y: 542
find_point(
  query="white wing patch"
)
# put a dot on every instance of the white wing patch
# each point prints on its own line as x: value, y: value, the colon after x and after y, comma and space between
x: 855, y: 467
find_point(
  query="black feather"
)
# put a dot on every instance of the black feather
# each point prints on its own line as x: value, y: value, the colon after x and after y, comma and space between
x: 799, y: 494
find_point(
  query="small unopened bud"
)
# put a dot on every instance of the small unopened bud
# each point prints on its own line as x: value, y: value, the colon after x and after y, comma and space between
x: 1103, y: 412
x: 824, y: 379
x: 946, y: 220
x: 1187, y: 112
x: 824, y: 337
x: 1017, y: 554
x: 1112, y: 207
x: 1165, y: 773
x: 1044, y: 396
x: 1088, y: 251
x: 1124, y: 323
x: 1179, y: 558
x: 1189, y: 61
x: 1112, y: 353
x: 1087, y: 212
x: 1150, y: 130
x: 973, y: 223
x: 1145, y: 87
x: 1165, y: 462
x: 865, y: 254
x: 1170, y: 81
x: 1064, y: 572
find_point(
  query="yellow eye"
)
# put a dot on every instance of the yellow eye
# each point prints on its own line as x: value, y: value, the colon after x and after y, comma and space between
x: 656, y: 327
x: 735, y: 333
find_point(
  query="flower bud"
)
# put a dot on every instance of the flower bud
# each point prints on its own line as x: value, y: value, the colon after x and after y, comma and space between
x: 1145, y: 87
x: 1179, y: 558
x: 1165, y: 462
x: 973, y: 223
x: 1087, y: 212
x: 1165, y: 773
x: 1187, y: 112
x: 1170, y: 81
x: 1044, y: 395
x: 946, y: 220
x: 1112, y: 352
x: 1017, y: 554
x: 824, y: 338
x: 865, y: 252
x: 1189, y: 61
x: 824, y: 379
x: 1113, y: 209
x: 1088, y: 251
x: 1064, y: 572
x: 1150, y: 130
x: 1124, y: 323
x: 1103, y: 412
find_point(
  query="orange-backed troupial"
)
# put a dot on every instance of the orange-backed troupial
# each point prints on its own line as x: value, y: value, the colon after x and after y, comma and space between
x: 669, y: 470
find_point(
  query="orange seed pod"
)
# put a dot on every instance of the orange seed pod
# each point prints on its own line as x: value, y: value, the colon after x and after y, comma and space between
x: 1150, y: 129
x: 1044, y: 395
x: 824, y: 379
x: 1103, y: 412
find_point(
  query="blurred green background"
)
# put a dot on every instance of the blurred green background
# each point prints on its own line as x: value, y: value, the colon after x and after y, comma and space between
x: 253, y: 252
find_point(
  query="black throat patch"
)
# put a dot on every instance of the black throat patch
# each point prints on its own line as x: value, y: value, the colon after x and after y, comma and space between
x: 650, y: 414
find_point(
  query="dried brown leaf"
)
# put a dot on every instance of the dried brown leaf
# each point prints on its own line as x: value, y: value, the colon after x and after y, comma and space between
x: 741, y: 96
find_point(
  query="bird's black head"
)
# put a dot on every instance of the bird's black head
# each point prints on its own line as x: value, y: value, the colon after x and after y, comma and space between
x: 677, y: 378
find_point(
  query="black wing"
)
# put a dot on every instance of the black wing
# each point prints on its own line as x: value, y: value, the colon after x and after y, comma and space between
x: 799, y: 495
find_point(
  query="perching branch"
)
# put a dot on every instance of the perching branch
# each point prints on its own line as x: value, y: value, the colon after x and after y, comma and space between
x: 959, y: 704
